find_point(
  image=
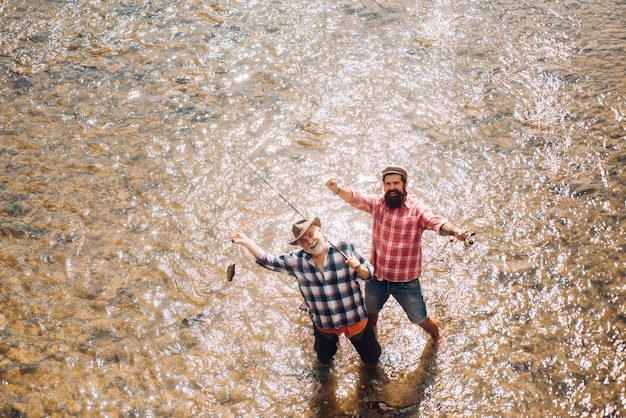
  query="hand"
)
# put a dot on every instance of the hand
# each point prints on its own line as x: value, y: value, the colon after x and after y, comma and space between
x: 332, y: 185
x: 250, y: 245
x: 354, y: 263
x: 238, y: 238
x: 465, y: 236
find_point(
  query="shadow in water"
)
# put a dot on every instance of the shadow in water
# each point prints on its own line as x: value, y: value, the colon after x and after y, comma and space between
x: 377, y: 395
x: 404, y: 397
x: 324, y: 402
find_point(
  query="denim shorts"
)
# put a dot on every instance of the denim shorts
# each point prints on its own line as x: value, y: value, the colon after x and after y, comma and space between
x: 408, y: 294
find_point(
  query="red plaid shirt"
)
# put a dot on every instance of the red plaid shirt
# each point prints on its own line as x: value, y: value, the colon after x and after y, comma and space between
x: 397, y: 235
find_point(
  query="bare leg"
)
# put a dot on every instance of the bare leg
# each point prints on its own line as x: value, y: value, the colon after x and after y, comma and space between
x: 431, y: 327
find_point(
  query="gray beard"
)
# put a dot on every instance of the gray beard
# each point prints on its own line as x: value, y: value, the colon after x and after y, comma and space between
x: 318, y: 250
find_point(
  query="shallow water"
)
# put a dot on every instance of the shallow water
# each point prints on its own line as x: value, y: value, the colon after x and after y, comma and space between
x: 119, y: 191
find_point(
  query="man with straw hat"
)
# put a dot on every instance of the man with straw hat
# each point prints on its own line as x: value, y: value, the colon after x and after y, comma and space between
x: 327, y: 278
x: 398, y: 222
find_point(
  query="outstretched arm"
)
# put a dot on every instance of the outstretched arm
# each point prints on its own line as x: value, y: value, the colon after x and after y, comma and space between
x: 342, y: 192
x: 450, y: 229
x: 242, y: 239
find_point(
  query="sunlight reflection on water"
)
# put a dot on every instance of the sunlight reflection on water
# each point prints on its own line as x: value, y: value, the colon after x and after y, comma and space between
x: 119, y: 196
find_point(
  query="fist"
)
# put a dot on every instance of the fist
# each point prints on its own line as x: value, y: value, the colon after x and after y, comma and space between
x: 332, y: 184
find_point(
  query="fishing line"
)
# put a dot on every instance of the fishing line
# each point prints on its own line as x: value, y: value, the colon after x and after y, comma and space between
x: 261, y: 177
x: 275, y: 190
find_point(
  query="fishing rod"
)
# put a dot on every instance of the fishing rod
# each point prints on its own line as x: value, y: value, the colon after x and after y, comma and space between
x: 261, y: 177
x: 275, y: 190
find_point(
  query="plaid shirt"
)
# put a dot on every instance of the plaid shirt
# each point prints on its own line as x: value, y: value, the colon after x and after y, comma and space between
x: 397, y: 235
x: 334, y: 298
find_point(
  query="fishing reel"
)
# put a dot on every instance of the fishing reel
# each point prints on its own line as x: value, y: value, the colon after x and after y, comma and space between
x: 469, y: 240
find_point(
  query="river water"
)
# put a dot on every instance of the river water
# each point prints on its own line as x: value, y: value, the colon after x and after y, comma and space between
x: 119, y: 192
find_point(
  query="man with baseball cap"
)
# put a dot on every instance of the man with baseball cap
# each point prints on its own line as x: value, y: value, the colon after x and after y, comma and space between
x: 398, y: 222
x: 327, y: 277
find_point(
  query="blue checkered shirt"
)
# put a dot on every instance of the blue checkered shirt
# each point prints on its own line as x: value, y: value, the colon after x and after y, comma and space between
x: 334, y: 298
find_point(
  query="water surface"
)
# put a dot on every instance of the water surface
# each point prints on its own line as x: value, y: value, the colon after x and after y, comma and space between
x: 119, y: 192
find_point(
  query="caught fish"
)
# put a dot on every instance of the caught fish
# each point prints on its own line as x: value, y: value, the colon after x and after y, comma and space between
x: 230, y: 272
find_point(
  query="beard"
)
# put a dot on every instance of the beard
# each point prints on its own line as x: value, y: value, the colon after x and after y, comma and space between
x: 394, y: 199
x: 319, y: 248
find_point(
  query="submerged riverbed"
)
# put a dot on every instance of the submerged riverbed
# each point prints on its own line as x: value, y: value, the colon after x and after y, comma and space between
x: 119, y: 193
